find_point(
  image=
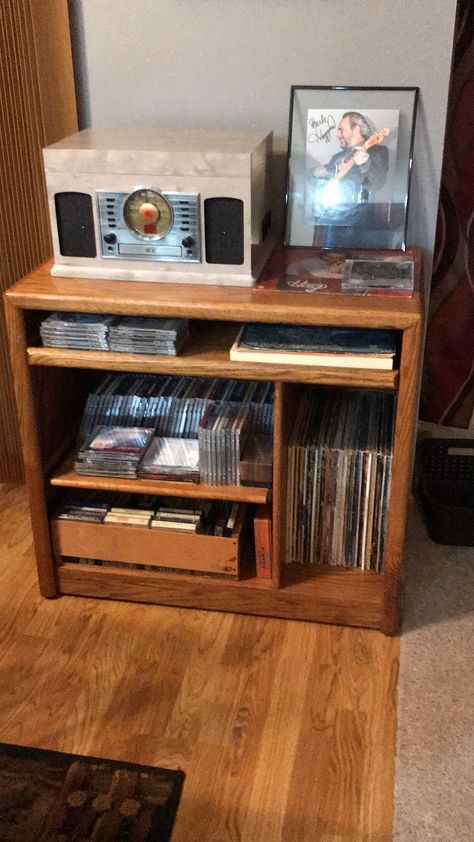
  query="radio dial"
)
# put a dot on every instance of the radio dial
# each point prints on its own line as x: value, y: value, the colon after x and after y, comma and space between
x: 188, y: 242
x: 149, y: 212
x: 110, y: 238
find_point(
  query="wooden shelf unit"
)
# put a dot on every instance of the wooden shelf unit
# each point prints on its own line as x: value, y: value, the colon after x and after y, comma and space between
x: 51, y: 386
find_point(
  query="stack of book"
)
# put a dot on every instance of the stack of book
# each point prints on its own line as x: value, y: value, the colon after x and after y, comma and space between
x: 113, y: 451
x: 171, y: 459
x: 315, y: 346
x: 221, y: 437
x: 339, y: 472
x: 147, y: 335
x: 87, y: 331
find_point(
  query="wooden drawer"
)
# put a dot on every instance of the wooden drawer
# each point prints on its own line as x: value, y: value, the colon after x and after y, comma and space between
x: 153, y: 547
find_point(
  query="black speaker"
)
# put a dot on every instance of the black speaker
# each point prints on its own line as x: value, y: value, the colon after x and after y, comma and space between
x: 75, y: 224
x: 224, y: 230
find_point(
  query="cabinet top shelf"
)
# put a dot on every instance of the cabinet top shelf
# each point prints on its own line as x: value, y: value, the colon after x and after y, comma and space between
x: 41, y: 291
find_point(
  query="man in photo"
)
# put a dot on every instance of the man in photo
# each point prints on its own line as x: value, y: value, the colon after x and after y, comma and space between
x: 344, y: 189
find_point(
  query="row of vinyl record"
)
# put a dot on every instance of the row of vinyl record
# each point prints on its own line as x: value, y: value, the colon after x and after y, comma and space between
x: 339, y: 472
x: 173, y: 406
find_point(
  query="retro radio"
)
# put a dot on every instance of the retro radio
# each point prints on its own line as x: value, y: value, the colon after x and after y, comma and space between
x: 151, y: 205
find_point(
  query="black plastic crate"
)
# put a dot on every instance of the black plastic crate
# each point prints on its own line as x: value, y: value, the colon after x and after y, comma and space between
x: 447, y: 489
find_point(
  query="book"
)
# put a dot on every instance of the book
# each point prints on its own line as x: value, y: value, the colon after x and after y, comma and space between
x: 319, y: 346
x: 321, y: 271
x: 262, y: 527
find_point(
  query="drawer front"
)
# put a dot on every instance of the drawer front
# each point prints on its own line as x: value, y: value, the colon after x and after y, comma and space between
x: 154, y: 547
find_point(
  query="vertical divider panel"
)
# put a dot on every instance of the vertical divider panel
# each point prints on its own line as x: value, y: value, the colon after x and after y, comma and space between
x: 286, y: 395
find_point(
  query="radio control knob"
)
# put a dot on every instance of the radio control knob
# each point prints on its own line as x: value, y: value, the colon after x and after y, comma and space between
x: 188, y: 242
x: 110, y: 238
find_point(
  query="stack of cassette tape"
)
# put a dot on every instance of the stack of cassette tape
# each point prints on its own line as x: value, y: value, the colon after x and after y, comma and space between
x: 93, y: 512
x: 113, y: 451
x: 79, y: 331
x: 129, y: 516
x: 147, y: 335
x: 177, y: 518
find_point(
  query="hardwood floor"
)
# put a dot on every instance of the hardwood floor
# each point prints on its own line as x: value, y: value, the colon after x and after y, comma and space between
x: 286, y: 730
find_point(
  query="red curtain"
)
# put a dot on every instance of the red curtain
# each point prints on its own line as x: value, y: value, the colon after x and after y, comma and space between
x: 448, y: 378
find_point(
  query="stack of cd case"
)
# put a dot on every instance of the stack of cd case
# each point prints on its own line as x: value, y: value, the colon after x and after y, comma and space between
x: 148, y: 335
x: 173, y: 405
x: 221, y: 437
x: 87, y: 331
x: 171, y: 459
x: 387, y: 275
x: 113, y: 451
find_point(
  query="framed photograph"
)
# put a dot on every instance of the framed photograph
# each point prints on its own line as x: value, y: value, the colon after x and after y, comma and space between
x: 349, y: 166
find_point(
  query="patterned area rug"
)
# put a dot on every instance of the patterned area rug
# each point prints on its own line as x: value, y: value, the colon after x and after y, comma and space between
x: 55, y: 797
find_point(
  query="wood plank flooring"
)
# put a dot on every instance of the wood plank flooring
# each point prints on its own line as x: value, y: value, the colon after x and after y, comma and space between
x: 286, y: 730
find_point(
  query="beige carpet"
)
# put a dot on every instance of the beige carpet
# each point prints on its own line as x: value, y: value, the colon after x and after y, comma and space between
x: 434, y: 781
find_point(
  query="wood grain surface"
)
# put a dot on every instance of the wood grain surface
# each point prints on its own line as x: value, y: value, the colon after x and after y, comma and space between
x: 285, y: 729
x: 39, y: 290
x: 66, y: 477
x: 38, y: 106
x: 369, y: 601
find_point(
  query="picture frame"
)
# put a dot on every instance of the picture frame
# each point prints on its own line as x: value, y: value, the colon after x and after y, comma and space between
x: 350, y: 155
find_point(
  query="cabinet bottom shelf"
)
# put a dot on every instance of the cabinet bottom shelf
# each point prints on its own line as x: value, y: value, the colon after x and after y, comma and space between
x: 347, y: 597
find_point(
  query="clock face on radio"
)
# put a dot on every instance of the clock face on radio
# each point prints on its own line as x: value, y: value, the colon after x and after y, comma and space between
x: 148, y: 215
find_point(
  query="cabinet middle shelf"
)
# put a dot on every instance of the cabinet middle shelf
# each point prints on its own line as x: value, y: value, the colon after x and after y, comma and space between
x: 207, y: 355
x: 66, y: 477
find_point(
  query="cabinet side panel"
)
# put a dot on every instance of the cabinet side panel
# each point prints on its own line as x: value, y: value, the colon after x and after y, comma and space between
x: 401, y: 474
x: 35, y: 480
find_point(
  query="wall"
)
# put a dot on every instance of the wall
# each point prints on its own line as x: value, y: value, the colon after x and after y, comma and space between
x: 230, y: 63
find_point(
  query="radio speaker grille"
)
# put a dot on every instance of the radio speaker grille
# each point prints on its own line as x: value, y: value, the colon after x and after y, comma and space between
x: 224, y: 230
x: 75, y: 224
